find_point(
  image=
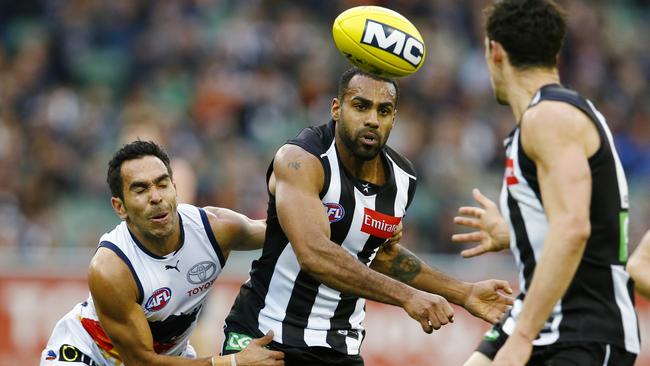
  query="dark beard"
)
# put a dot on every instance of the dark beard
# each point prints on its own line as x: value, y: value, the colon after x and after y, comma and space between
x: 358, y: 150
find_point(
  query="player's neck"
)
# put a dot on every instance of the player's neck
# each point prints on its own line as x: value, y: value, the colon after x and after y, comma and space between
x: 368, y: 170
x: 523, y: 85
x: 156, y: 245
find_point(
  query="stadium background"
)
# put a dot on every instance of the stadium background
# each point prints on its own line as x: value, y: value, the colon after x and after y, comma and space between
x: 222, y: 84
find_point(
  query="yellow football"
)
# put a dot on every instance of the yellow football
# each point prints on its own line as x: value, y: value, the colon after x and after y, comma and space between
x: 379, y: 40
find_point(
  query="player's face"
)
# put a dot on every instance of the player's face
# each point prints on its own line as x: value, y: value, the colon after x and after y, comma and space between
x: 149, y: 197
x: 365, y: 116
x: 495, y: 74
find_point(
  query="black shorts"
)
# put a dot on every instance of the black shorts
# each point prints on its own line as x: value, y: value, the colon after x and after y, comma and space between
x: 562, y: 354
x: 238, y: 338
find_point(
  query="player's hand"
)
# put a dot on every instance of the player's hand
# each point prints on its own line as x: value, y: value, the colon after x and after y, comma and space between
x: 255, y: 354
x: 515, y: 352
x: 432, y: 311
x: 395, y: 238
x: 493, y: 234
x: 487, y: 301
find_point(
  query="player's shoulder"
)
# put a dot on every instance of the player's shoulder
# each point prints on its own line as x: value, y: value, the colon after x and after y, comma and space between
x: 554, y: 114
x: 558, y: 108
x: 226, y: 224
x: 315, y: 139
x: 108, y: 264
x: 402, y: 162
x: 192, y: 217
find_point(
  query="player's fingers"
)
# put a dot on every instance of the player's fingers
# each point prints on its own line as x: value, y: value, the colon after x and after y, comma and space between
x: 481, y: 199
x: 503, y: 285
x: 449, y: 312
x: 263, y: 341
x: 473, y: 252
x: 471, y: 211
x: 427, y: 327
x: 467, y: 221
x: 276, y: 355
x: 472, y: 237
x: 436, y: 321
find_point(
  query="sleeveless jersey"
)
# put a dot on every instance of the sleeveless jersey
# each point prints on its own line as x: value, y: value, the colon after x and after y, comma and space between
x: 301, y: 311
x: 171, y: 289
x: 599, y: 304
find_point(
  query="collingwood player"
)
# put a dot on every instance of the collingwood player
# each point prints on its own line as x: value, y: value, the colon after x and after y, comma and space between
x: 565, y: 204
x: 336, y: 193
x: 151, y: 275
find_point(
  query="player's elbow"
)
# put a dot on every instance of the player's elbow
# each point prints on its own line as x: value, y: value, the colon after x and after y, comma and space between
x: 577, y: 230
x: 309, y: 262
x: 310, y: 259
x: 137, y: 357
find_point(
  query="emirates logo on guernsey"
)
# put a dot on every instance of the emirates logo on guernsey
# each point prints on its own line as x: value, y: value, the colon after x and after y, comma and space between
x: 379, y: 224
x: 510, y: 173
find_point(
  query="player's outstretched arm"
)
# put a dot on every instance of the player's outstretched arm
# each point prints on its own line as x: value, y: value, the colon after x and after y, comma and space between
x: 492, y: 233
x: 296, y: 182
x: 482, y: 299
x: 639, y: 266
x: 235, y: 231
x: 115, y: 297
x: 559, y: 139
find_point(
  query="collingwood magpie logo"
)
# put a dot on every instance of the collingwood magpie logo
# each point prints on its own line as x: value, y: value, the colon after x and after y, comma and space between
x: 393, y: 40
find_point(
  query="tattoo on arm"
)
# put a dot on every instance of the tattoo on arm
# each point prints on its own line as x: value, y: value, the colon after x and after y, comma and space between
x: 404, y: 266
x: 294, y: 164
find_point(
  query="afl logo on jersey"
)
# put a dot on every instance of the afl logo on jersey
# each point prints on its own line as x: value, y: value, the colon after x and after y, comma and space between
x: 159, y: 299
x: 201, y: 272
x: 335, y: 211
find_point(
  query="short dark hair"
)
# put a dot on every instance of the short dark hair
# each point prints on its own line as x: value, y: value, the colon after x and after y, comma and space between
x: 131, y: 151
x: 345, y: 78
x: 531, y: 31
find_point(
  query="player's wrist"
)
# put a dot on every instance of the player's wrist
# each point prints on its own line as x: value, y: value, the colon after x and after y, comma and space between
x: 524, y: 335
x: 228, y: 360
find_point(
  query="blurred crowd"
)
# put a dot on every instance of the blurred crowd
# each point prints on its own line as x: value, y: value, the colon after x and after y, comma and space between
x: 223, y: 83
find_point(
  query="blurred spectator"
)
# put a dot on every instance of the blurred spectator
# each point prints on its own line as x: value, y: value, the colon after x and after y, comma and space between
x: 223, y: 83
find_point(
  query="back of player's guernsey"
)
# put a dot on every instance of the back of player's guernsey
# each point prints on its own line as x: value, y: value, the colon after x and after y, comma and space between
x: 598, y: 305
x: 171, y: 289
x: 279, y: 296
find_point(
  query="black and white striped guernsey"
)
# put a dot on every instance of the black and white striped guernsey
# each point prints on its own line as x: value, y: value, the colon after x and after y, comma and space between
x: 301, y: 311
x: 598, y: 305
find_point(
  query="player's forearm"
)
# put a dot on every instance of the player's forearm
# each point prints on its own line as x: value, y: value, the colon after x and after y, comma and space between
x: 641, y: 277
x: 153, y: 359
x: 563, y: 249
x: 639, y: 266
x: 252, y: 237
x: 399, y: 263
x: 338, y: 269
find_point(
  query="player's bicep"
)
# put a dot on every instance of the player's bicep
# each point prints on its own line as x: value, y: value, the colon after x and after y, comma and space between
x: 235, y: 231
x: 115, y: 298
x: 557, y: 146
x: 298, y: 179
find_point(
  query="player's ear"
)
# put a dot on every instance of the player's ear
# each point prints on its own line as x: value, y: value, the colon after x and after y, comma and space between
x: 119, y: 208
x: 336, y: 109
x: 497, y: 53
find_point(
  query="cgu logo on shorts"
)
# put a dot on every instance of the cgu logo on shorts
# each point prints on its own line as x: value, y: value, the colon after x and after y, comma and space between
x: 511, y: 179
x: 159, y: 299
x: 393, y: 40
x: 335, y: 211
x: 379, y: 224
